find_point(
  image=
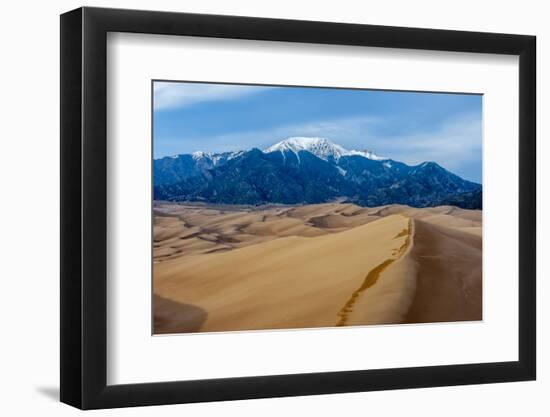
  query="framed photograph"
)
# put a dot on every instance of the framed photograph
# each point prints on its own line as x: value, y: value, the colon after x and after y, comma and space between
x: 258, y: 208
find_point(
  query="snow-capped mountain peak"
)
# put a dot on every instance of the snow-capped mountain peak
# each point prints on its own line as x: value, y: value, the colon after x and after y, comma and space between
x: 320, y: 147
x: 215, y: 158
x: 288, y: 173
x: 200, y: 154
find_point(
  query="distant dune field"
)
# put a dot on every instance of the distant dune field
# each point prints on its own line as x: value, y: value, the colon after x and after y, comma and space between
x: 223, y: 268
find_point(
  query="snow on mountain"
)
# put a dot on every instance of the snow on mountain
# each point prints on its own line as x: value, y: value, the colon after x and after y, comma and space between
x: 215, y: 158
x: 320, y: 147
x: 342, y: 171
x: 199, y: 155
x: 255, y: 177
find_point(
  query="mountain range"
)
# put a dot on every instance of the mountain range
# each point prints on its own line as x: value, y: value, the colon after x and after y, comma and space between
x: 303, y: 170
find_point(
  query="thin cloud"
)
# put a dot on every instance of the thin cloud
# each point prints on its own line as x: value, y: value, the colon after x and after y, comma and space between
x: 457, y: 141
x: 348, y: 132
x: 455, y: 144
x: 169, y: 95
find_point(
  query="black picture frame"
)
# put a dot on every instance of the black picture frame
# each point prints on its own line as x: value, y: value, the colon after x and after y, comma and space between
x: 84, y: 207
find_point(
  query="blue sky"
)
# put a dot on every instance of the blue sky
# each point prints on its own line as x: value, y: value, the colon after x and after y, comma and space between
x: 405, y: 126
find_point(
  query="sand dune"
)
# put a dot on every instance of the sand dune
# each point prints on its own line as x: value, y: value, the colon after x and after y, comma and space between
x: 448, y: 276
x: 325, y: 265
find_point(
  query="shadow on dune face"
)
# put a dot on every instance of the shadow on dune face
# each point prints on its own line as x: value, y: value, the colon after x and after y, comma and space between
x: 346, y: 267
x: 173, y: 317
x: 449, y: 285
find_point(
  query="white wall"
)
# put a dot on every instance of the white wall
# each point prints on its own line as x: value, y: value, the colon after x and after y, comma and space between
x: 29, y: 100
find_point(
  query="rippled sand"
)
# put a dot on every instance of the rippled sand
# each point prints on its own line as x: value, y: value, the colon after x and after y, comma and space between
x: 241, y: 268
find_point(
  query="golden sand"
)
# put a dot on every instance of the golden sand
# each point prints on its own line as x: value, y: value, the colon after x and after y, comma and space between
x: 325, y: 265
x: 373, y: 275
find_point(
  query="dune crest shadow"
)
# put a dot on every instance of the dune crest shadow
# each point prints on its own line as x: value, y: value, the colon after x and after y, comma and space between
x: 174, y: 317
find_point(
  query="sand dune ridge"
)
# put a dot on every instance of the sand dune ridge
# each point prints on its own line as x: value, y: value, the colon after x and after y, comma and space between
x: 322, y: 265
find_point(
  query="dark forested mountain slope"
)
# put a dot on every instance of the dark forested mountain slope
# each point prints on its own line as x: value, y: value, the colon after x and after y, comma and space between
x: 308, y: 170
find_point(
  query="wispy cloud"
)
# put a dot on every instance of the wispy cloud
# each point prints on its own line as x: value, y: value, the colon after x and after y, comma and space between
x: 455, y: 143
x: 349, y: 132
x: 169, y: 95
